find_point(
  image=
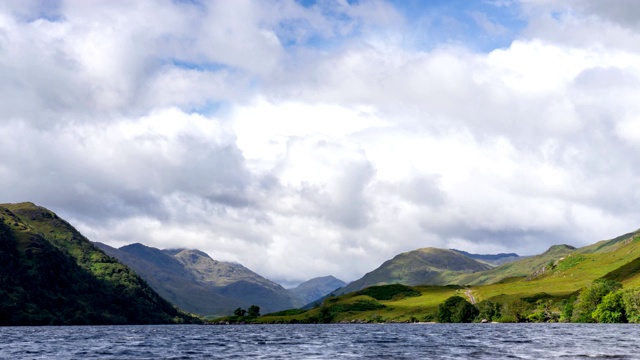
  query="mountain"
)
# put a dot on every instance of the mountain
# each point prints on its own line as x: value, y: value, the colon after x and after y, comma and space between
x: 316, y: 288
x: 199, y: 284
x: 236, y: 281
x: 423, y: 266
x: 493, y: 259
x: 168, y: 276
x: 52, y: 275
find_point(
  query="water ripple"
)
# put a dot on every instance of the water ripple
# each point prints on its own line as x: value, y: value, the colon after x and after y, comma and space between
x: 372, y: 341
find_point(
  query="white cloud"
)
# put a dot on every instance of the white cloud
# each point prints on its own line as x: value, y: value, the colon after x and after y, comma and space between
x: 302, y: 141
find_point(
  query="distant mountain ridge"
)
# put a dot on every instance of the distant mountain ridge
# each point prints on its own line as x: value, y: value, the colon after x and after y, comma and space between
x: 197, y: 283
x: 494, y: 259
x: 316, y: 288
x: 172, y: 281
x: 236, y: 281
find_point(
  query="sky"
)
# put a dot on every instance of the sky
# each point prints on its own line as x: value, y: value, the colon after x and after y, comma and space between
x: 312, y: 138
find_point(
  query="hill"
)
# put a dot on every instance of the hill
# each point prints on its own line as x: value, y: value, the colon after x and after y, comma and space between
x: 52, y: 275
x: 197, y: 283
x: 418, y: 267
x: 316, y: 288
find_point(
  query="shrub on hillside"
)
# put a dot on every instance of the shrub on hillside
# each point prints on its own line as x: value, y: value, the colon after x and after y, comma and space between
x: 389, y: 292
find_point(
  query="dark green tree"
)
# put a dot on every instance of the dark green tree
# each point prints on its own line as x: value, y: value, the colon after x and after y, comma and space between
x: 631, y: 300
x: 591, y: 297
x: 567, y: 309
x: 515, y: 311
x: 456, y: 309
x: 543, y: 312
x: 239, y: 312
x: 489, y: 310
x: 253, y: 311
x: 465, y: 313
x: 611, y: 309
x: 324, y: 315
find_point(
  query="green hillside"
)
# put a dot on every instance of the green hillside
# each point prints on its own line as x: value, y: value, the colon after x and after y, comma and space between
x: 609, y: 245
x: 547, y: 287
x: 522, y: 268
x: 423, y: 266
x: 51, y: 274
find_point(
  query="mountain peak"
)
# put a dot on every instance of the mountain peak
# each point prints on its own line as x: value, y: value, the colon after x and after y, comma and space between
x: 197, y: 252
x: 564, y: 248
x: 429, y: 265
x: 194, y: 253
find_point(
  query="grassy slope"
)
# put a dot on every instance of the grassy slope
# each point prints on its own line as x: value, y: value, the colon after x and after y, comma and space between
x: 57, y: 264
x: 616, y: 260
x: 520, y: 268
x: 400, y: 309
x: 566, y: 271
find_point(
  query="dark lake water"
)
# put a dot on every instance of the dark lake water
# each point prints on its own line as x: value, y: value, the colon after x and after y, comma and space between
x: 371, y: 341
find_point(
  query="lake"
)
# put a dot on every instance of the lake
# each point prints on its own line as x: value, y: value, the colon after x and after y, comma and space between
x: 372, y: 341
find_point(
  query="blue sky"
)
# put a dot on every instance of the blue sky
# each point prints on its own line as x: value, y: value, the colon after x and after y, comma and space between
x: 341, y: 132
x: 479, y: 25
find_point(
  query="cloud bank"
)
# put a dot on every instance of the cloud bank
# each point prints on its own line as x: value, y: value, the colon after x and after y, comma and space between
x: 310, y: 138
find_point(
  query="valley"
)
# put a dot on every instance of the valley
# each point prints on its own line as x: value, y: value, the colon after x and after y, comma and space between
x: 53, y: 274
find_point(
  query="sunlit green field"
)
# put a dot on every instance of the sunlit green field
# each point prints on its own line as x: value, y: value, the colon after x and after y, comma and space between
x: 555, y: 275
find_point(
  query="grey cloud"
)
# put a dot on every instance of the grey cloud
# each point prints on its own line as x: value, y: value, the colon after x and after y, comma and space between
x: 349, y: 206
x: 96, y: 177
x: 623, y: 12
x: 423, y: 190
x: 527, y: 242
x: 341, y: 195
x: 584, y: 24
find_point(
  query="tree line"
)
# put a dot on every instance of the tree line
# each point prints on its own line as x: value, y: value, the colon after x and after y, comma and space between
x: 603, y: 301
x: 253, y: 311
